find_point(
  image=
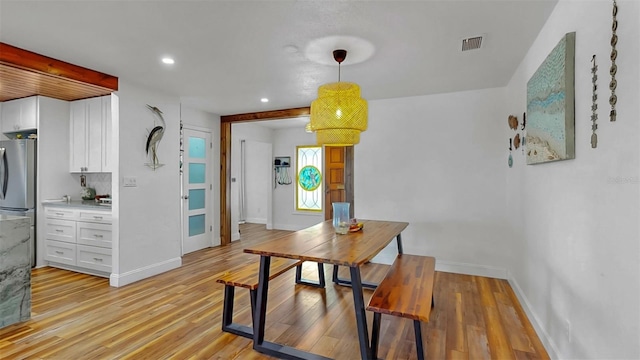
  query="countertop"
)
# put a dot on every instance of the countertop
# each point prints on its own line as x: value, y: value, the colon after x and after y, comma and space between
x: 77, y: 204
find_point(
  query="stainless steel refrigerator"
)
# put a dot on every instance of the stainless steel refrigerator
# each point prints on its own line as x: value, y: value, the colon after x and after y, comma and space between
x: 18, y: 182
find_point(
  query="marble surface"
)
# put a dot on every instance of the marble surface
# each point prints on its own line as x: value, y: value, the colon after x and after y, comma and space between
x: 15, y: 270
x: 78, y: 204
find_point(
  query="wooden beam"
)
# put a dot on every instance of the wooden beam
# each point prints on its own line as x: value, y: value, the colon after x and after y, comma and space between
x: 267, y: 115
x: 27, y: 60
x: 225, y: 183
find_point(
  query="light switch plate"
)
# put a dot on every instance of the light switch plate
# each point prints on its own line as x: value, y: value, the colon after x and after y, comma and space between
x: 129, y: 181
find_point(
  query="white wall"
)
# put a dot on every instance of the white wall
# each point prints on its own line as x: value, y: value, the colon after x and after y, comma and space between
x: 283, y: 142
x: 285, y: 216
x: 437, y: 162
x: 205, y: 121
x: 578, y: 220
x: 258, y: 180
x: 149, y: 214
x: 247, y: 132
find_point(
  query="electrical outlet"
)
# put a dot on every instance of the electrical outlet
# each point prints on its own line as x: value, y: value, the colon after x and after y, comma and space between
x: 129, y: 181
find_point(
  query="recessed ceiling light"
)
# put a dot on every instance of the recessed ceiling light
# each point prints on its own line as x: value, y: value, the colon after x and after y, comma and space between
x: 168, y: 61
x: 264, y: 100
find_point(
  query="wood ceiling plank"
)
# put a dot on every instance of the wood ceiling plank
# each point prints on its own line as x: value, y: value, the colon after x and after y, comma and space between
x: 27, y: 60
x: 18, y: 83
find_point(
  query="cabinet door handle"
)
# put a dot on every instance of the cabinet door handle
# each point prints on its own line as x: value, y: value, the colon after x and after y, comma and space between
x: 58, y: 230
x: 97, y: 259
x: 98, y: 236
x: 59, y: 252
x: 98, y: 217
x: 60, y: 214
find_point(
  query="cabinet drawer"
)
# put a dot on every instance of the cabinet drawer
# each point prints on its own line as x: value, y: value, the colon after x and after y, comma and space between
x: 96, y: 258
x: 60, y: 252
x: 59, y: 213
x: 60, y: 230
x: 95, y: 216
x: 93, y: 234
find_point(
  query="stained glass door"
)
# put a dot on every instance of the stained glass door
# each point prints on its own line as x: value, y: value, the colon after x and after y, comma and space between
x: 197, y: 190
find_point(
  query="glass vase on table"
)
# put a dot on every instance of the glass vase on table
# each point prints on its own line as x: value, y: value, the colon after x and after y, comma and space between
x: 341, y: 217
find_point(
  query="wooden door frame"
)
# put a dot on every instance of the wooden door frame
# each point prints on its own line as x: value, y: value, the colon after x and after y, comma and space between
x: 225, y: 158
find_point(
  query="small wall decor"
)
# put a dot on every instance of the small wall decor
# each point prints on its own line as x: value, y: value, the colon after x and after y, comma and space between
x: 550, y: 106
x: 154, y: 137
x: 524, y: 125
x: 516, y: 141
x: 594, y: 104
x: 513, y: 122
x: 613, y: 84
x: 510, y: 160
x: 281, y: 165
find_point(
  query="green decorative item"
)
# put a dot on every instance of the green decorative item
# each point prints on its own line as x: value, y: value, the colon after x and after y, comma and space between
x: 309, y: 178
x: 88, y: 193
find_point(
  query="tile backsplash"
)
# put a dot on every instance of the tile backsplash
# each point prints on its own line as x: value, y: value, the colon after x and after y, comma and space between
x: 99, y: 181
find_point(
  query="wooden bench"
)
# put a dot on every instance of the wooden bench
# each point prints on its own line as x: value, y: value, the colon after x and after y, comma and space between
x: 406, y: 291
x: 246, y: 276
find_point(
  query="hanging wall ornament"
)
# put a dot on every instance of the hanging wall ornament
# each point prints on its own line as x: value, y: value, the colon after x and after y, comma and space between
x: 613, y: 99
x: 594, y: 104
x: 510, y: 161
x: 524, y: 136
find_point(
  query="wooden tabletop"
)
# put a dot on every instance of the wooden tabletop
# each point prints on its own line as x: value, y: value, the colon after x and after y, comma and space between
x: 320, y: 243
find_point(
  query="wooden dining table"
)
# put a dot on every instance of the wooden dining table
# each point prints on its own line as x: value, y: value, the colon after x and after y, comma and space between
x: 321, y: 244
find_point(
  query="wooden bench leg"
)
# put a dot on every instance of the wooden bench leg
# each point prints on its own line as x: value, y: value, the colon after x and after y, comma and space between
x: 227, y: 313
x: 320, y: 283
x: 419, y: 347
x: 375, y: 334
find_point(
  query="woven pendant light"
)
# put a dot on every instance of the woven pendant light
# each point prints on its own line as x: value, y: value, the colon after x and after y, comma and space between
x: 339, y: 114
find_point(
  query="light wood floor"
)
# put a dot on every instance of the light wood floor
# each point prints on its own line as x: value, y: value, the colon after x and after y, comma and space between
x: 177, y: 315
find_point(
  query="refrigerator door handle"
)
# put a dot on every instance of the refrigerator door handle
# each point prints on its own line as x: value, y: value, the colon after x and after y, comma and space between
x: 4, y: 165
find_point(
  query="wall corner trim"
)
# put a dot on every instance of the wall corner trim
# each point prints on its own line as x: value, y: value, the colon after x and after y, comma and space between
x: 118, y: 280
x: 548, y: 343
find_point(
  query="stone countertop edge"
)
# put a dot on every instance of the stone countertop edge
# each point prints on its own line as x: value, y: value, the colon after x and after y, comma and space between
x: 13, y: 217
x: 77, y: 204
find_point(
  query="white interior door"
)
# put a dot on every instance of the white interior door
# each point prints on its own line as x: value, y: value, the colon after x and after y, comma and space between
x: 197, y: 187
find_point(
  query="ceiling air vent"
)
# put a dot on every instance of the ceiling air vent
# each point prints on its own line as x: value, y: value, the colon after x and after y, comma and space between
x: 471, y: 43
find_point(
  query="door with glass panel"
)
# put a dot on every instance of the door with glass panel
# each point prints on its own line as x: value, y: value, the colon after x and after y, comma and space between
x: 196, y: 184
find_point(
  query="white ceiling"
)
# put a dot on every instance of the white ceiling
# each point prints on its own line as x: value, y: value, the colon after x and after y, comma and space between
x: 229, y: 54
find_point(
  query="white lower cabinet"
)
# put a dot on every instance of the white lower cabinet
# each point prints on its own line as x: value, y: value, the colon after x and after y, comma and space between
x: 60, y: 252
x: 93, y: 257
x: 79, y: 240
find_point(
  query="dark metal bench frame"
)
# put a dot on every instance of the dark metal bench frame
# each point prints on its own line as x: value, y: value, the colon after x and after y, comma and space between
x: 229, y: 294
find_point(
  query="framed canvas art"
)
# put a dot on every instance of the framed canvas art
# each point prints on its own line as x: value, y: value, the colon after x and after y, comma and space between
x: 551, y: 106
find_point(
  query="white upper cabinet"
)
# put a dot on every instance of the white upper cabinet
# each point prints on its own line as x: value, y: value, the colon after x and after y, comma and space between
x: 91, y: 135
x: 20, y: 115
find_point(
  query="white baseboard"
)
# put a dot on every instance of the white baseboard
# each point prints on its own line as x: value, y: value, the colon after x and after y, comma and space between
x: 471, y: 269
x: 289, y: 227
x: 118, y: 280
x: 549, y: 345
x: 256, y: 220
